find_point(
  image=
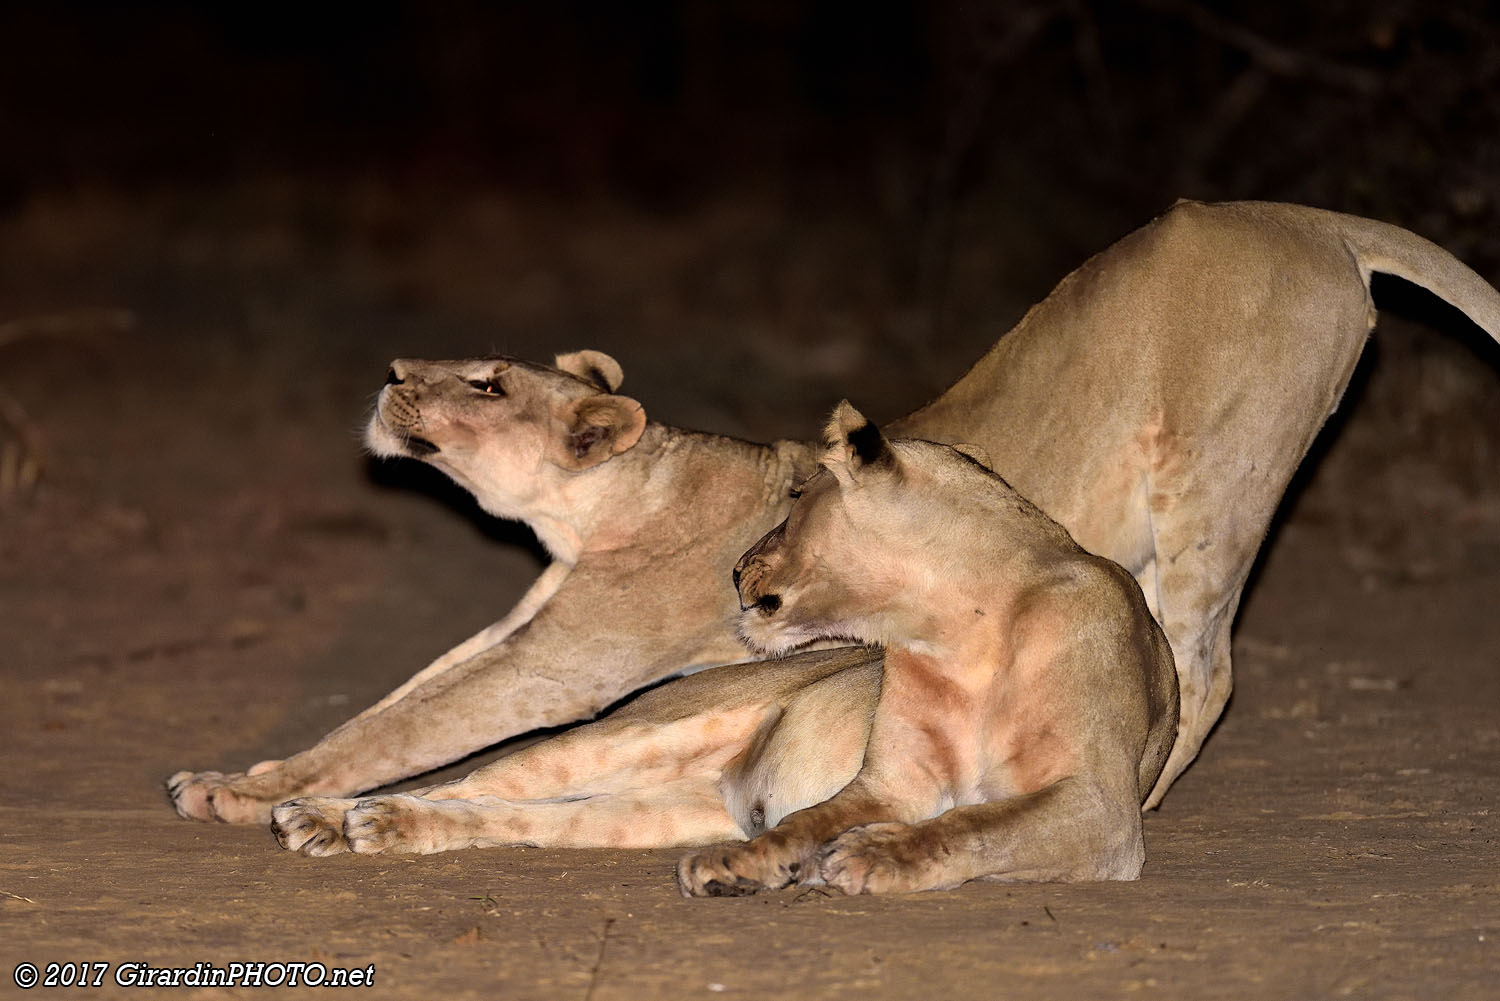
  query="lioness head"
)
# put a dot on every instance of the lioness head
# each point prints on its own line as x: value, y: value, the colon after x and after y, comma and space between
x: 506, y: 430
x: 874, y: 529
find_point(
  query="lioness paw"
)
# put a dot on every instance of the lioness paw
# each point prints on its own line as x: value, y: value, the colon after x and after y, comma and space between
x: 402, y: 824
x: 737, y: 870
x: 877, y: 858
x: 313, y: 826
x: 214, y: 796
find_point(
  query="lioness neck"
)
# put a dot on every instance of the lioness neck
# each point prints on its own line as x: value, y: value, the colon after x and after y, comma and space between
x: 677, y: 480
x: 980, y: 583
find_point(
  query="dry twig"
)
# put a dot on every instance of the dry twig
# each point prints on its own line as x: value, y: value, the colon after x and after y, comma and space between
x: 21, y: 456
x: 1273, y: 57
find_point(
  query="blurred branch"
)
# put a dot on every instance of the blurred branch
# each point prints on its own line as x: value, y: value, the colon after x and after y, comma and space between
x: 1088, y: 50
x: 21, y: 458
x: 1233, y: 105
x: 81, y: 324
x: 1272, y: 57
x: 961, y: 135
x: 21, y: 453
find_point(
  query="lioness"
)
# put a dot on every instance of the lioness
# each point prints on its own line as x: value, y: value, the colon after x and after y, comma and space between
x: 642, y: 521
x: 1156, y: 403
x: 1028, y: 702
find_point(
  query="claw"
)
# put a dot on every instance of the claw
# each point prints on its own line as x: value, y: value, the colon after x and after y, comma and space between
x: 741, y: 887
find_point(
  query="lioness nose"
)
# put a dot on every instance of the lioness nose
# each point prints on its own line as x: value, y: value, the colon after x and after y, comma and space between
x: 392, y: 377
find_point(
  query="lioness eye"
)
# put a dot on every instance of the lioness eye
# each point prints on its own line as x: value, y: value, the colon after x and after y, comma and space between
x: 490, y: 387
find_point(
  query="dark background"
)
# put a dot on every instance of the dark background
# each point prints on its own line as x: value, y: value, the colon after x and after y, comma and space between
x: 911, y: 113
x: 1359, y: 106
x: 219, y: 222
x: 889, y: 181
x: 825, y: 198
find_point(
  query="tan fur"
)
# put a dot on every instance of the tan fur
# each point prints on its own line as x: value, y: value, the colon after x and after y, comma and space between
x: 715, y: 756
x: 1029, y: 699
x: 1156, y: 404
x: 1159, y: 400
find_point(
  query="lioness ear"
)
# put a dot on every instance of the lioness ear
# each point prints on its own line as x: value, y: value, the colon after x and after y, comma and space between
x: 593, y: 366
x: 974, y: 452
x: 597, y: 428
x: 852, y: 443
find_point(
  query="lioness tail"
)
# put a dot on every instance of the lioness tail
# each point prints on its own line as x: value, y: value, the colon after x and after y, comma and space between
x: 1379, y: 246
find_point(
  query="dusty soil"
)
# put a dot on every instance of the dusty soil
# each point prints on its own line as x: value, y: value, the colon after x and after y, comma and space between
x: 210, y: 575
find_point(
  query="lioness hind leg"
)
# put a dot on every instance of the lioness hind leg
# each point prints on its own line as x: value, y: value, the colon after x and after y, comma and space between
x: 686, y: 812
x: 614, y: 755
x: 1202, y: 702
x: 1209, y: 701
x: 1201, y: 563
x: 1069, y: 831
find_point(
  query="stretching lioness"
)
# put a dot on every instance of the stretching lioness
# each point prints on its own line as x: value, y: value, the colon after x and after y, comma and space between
x: 1028, y: 702
x: 642, y: 521
x: 1156, y: 404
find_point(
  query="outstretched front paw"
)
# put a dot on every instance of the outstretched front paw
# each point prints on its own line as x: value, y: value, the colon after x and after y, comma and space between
x: 313, y: 826
x: 879, y: 858
x: 216, y: 796
x: 767, y: 863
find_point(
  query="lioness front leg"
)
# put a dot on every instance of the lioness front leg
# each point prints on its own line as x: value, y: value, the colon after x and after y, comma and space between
x: 212, y: 795
x: 895, y: 784
x: 787, y: 853
x: 537, y: 595
x: 1068, y: 831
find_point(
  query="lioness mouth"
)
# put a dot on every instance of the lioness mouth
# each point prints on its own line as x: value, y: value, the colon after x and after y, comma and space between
x: 420, y: 447
x: 768, y: 604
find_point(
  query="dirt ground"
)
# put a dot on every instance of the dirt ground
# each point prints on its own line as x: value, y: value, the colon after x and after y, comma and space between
x: 210, y: 574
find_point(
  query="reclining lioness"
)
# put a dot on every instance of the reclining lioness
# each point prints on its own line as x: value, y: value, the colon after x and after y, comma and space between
x: 1156, y: 404
x: 1028, y: 702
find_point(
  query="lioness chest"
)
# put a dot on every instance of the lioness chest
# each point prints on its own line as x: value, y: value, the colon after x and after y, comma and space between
x: 988, y: 726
